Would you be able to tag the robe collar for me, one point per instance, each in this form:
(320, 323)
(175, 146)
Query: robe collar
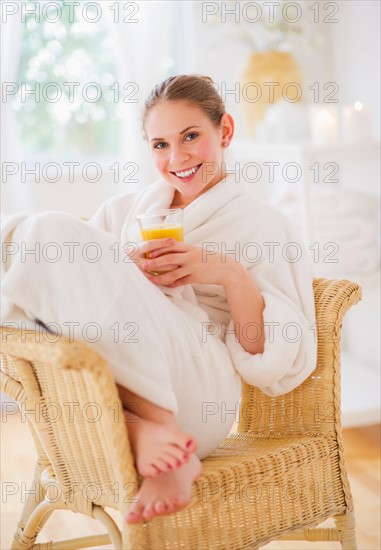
(160, 195)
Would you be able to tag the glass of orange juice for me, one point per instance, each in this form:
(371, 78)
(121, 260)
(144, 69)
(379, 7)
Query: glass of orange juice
(161, 224)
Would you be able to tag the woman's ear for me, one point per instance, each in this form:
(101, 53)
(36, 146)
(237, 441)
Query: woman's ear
(227, 128)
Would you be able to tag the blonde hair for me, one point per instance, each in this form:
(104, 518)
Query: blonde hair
(195, 89)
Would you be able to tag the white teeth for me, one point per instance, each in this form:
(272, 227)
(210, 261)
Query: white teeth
(186, 173)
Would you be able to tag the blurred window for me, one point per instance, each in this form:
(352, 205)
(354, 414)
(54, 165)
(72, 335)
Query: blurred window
(70, 65)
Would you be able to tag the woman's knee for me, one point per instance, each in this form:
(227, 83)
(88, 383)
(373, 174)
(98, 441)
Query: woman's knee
(59, 227)
(51, 219)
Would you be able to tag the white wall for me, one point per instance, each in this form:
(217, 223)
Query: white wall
(355, 46)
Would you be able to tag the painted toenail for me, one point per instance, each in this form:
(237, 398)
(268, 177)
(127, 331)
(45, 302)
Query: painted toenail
(189, 443)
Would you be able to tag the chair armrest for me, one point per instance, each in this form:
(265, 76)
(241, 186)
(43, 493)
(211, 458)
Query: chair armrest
(315, 404)
(71, 378)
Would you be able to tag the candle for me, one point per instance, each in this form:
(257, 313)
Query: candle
(324, 125)
(356, 124)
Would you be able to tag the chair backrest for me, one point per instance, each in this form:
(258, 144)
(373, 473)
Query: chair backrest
(314, 406)
(67, 392)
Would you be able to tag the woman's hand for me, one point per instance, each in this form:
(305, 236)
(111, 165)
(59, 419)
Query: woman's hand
(186, 264)
(159, 246)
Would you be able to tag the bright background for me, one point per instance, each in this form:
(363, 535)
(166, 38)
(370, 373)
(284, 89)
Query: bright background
(171, 37)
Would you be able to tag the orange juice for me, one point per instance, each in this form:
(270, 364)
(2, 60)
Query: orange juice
(163, 231)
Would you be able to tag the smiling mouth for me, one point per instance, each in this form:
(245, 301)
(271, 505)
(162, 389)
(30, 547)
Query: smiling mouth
(187, 174)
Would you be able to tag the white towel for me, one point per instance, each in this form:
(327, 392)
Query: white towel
(328, 202)
(349, 220)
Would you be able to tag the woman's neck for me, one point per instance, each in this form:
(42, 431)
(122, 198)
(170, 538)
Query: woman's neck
(176, 203)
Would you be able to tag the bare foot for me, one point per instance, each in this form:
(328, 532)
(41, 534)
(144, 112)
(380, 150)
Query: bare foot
(158, 448)
(166, 494)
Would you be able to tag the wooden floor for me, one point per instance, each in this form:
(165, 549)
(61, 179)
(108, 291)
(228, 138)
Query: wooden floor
(362, 446)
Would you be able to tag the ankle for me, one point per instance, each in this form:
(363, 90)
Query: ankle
(162, 417)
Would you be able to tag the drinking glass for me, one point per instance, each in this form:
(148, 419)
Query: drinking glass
(161, 224)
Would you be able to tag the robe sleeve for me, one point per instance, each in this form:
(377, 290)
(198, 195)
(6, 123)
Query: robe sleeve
(286, 284)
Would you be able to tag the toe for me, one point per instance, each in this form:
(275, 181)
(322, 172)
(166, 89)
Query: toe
(134, 515)
(159, 507)
(169, 507)
(180, 501)
(163, 465)
(188, 444)
(164, 508)
(172, 461)
(182, 440)
(191, 445)
(148, 511)
(177, 455)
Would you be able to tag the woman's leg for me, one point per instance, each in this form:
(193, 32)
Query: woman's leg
(73, 277)
(171, 490)
(154, 432)
(153, 347)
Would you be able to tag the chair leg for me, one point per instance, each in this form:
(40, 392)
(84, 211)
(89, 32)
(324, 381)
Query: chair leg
(112, 528)
(36, 494)
(345, 524)
(24, 537)
(35, 497)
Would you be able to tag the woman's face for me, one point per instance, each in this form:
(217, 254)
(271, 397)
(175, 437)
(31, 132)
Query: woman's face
(182, 138)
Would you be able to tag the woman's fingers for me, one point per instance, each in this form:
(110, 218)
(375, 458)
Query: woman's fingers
(156, 247)
(170, 277)
(161, 262)
(155, 260)
(155, 244)
(145, 248)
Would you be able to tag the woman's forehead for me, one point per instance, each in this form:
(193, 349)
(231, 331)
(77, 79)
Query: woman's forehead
(171, 118)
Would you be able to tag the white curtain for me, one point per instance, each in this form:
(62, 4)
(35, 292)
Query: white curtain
(12, 193)
(145, 54)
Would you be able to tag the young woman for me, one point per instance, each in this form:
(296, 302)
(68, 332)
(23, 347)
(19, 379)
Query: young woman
(235, 301)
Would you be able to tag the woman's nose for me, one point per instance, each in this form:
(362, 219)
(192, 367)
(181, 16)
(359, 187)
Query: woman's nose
(178, 156)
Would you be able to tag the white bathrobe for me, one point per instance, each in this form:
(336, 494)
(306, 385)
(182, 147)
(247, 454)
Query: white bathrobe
(186, 357)
(228, 218)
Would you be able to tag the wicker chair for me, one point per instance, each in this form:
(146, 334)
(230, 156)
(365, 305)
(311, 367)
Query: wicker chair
(278, 477)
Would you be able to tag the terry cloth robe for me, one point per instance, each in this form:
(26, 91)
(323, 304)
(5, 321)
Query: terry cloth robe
(228, 219)
(186, 357)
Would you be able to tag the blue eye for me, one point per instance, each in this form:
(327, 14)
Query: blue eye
(156, 146)
(159, 143)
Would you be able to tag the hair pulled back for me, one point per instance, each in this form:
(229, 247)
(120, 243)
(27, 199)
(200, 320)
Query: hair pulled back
(195, 89)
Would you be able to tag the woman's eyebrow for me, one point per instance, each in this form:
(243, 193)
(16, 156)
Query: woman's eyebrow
(183, 132)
